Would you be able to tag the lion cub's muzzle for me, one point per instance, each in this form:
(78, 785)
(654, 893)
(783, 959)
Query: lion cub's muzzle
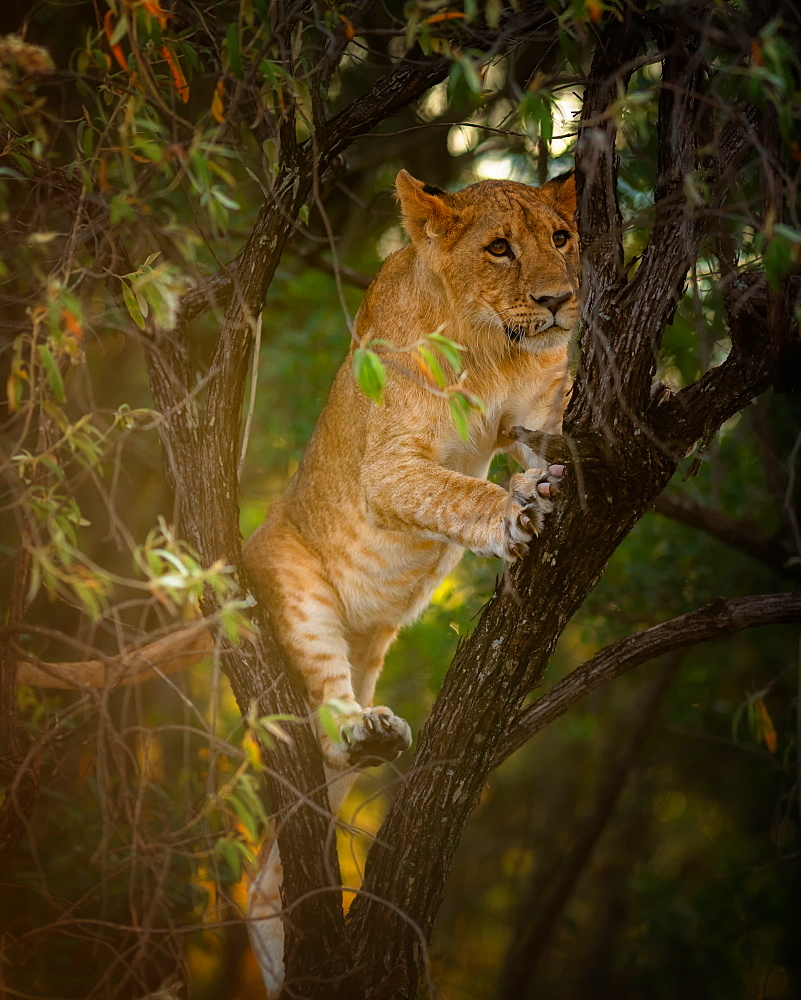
(552, 303)
(553, 311)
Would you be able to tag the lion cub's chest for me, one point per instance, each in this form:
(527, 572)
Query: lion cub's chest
(473, 456)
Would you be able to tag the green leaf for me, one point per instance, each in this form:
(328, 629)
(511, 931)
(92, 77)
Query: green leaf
(232, 44)
(54, 379)
(433, 366)
(132, 305)
(230, 621)
(493, 12)
(370, 373)
(246, 817)
(570, 51)
(472, 79)
(546, 121)
(778, 258)
(449, 349)
(87, 141)
(119, 31)
(536, 114)
(791, 234)
(227, 852)
(52, 466)
(223, 198)
(328, 720)
(460, 414)
(269, 729)
(249, 791)
(411, 26)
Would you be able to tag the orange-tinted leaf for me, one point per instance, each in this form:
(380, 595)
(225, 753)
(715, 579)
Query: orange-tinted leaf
(595, 9)
(71, 321)
(350, 31)
(448, 15)
(178, 78)
(217, 106)
(119, 55)
(767, 730)
(153, 7)
(252, 750)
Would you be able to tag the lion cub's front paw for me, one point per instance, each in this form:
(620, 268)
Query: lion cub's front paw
(378, 736)
(531, 498)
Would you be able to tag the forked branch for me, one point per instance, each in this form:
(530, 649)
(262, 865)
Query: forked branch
(718, 618)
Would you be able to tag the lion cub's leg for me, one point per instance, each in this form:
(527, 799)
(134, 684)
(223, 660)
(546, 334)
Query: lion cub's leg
(265, 919)
(380, 735)
(308, 616)
(265, 906)
(316, 641)
(367, 652)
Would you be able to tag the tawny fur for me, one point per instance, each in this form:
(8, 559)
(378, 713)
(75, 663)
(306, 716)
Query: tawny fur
(387, 497)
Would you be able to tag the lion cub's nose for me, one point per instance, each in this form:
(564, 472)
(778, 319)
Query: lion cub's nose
(552, 302)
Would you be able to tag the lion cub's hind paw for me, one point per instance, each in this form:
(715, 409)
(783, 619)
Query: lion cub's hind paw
(378, 736)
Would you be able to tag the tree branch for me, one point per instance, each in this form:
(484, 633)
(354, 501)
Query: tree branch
(600, 221)
(742, 535)
(699, 409)
(713, 620)
(653, 293)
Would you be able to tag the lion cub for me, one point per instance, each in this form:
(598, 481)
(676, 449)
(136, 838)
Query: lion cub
(387, 497)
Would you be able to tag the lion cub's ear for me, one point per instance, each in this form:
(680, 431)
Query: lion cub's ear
(562, 192)
(425, 212)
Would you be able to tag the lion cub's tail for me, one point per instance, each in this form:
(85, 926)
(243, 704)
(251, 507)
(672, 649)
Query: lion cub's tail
(176, 651)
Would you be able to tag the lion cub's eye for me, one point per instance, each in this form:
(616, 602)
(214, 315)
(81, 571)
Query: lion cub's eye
(560, 237)
(500, 248)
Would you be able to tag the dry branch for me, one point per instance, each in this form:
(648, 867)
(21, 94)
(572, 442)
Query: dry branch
(742, 535)
(716, 619)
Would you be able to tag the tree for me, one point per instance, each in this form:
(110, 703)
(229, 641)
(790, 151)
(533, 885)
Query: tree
(123, 185)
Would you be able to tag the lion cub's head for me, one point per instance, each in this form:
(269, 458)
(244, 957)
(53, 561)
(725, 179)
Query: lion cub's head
(506, 252)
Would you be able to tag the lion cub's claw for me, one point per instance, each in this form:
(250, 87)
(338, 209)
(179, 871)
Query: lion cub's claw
(531, 498)
(378, 736)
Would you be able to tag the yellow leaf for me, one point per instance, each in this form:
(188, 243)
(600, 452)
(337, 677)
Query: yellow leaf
(252, 750)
